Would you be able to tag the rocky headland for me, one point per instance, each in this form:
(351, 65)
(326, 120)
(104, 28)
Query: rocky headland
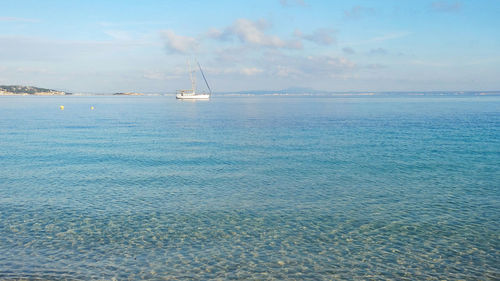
(18, 90)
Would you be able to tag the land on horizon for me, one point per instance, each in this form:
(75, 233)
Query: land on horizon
(29, 90)
(21, 90)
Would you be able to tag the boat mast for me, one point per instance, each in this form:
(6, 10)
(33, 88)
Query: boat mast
(193, 78)
(202, 74)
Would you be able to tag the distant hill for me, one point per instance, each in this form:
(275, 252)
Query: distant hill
(292, 91)
(312, 92)
(29, 90)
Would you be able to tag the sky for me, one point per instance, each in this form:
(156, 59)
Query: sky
(331, 45)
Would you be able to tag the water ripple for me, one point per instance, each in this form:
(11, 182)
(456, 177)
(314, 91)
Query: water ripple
(259, 189)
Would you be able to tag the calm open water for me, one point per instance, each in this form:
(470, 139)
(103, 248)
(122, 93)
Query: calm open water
(250, 188)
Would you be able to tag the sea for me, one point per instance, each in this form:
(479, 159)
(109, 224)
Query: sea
(392, 187)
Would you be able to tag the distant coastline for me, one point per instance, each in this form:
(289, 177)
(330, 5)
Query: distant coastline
(19, 90)
(128, 94)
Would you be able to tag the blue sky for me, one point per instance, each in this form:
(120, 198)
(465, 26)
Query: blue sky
(371, 45)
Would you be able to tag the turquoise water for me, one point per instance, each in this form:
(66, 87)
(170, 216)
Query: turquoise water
(264, 188)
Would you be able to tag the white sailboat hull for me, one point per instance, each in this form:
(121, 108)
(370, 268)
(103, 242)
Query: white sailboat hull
(192, 97)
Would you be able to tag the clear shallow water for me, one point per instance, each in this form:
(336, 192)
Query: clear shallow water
(249, 188)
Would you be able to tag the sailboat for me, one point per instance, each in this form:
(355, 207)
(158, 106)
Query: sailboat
(192, 94)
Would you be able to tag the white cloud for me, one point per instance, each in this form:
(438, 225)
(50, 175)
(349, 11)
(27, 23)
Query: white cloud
(162, 75)
(178, 43)
(240, 70)
(268, 64)
(305, 67)
(232, 55)
(249, 71)
(382, 38)
(253, 33)
(214, 33)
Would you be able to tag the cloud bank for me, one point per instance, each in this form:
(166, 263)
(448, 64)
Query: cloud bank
(254, 33)
(177, 43)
